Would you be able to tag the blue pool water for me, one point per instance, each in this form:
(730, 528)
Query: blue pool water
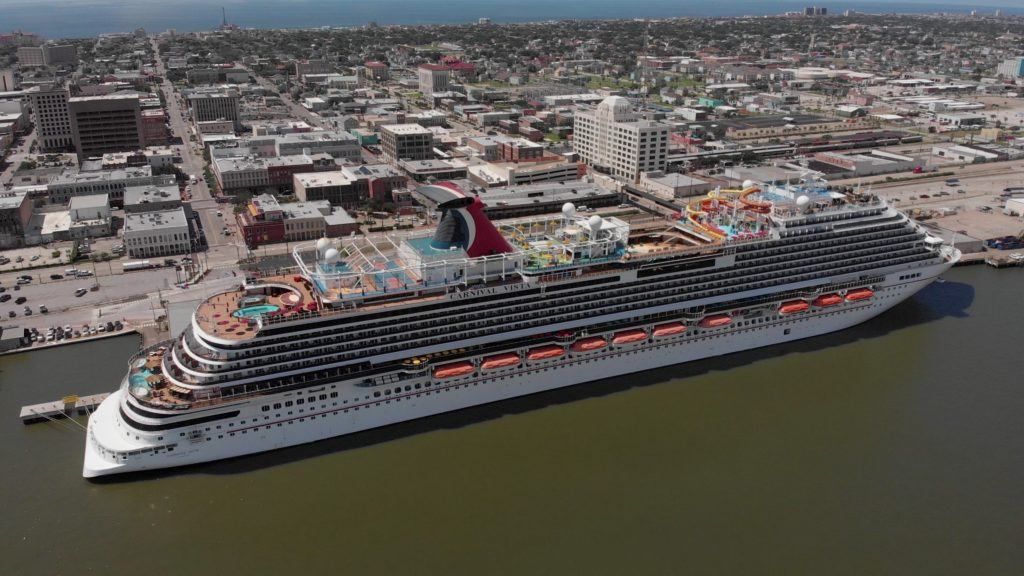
(138, 379)
(251, 311)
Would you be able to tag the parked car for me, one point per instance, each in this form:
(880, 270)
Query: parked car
(5, 297)
(28, 311)
(43, 309)
(12, 314)
(21, 300)
(80, 292)
(56, 276)
(83, 273)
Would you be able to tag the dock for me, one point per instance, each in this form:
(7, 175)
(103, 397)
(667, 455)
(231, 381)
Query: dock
(64, 408)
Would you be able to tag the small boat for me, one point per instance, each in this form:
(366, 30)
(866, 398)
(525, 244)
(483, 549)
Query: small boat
(716, 321)
(453, 370)
(793, 307)
(500, 361)
(627, 336)
(859, 294)
(545, 352)
(589, 344)
(670, 329)
(827, 300)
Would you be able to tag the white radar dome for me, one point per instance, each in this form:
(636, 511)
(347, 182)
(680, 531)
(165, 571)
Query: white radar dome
(803, 201)
(568, 210)
(322, 244)
(332, 255)
(748, 184)
(595, 222)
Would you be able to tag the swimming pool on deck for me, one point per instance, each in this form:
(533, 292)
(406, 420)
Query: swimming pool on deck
(251, 311)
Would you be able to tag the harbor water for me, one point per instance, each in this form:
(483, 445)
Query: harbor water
(895, 447)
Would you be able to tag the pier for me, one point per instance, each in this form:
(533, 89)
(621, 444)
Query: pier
(64, 408)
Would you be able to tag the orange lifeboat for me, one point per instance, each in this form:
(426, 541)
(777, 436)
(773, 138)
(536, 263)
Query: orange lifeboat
(827, 300)
(672, 328)
(500, 361)
(545, 352)
(454, 369)
(716, 321)
(589, 344)
(627, 336)
(793, 306)
(859, 294)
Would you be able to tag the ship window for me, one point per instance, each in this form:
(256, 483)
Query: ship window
(288, 403)
(300, 401)
(376, 394)
(266, 408)
(334, 394)
(276, 406)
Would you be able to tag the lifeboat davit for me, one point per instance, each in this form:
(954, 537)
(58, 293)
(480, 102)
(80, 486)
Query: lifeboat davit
(627, 336)
(716, 321)
(500, 361)
(827, 300)
(545, 352)
(663, 330)
(454, 369)
(793, 306)
(859, 294)
(589, 344)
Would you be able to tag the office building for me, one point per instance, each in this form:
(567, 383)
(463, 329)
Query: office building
(101, 124)
(434, 78)
(52, 124)
(613, 139)
(407, 142)
(219, 105)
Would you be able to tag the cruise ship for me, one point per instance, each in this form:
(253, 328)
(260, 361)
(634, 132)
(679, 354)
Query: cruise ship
(368, 331)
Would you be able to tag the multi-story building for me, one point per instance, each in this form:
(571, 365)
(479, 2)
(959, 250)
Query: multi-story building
(337, 144)
(215, 75)
(303, 67)
(47, 55)
(238, 174)
(1012, 68)
(154, 127)
(305, 220)
(336, 187)
(15, 213)
(407, 142)
(55, 55)
(160, 233)
(381, 179)
(50, 115)
(433, 78)
(262, 221)
(61, 189)
(377, 71)
(101, 124)
(152, 198)
(613, 139)
(8, 83)
(219, 105)
(512, 174)
(31, 56)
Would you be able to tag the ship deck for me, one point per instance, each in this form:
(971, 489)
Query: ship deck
(233, 315)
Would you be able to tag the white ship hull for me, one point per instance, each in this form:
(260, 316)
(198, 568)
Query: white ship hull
(317, 423)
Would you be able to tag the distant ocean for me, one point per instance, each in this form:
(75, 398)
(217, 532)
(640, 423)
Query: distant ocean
(81, 18)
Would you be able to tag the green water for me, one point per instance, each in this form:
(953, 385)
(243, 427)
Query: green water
(896, 447)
